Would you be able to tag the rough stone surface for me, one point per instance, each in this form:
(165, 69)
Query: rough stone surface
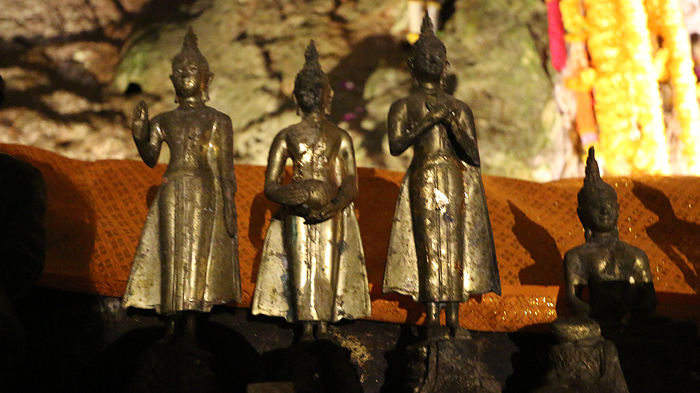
(75, 69)
(46, 20)
(498, 55)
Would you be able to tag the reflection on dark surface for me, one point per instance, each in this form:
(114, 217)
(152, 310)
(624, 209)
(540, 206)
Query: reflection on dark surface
(398, 361)
(318, 366)
(530, 362)
(678, 239)
(542, 248)
(218, 359)
(80, 343)
(619, 306)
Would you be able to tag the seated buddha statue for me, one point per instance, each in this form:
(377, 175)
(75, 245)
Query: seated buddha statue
(617, 275)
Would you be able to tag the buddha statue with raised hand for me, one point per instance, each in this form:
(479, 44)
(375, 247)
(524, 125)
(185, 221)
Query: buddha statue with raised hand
(187, 258)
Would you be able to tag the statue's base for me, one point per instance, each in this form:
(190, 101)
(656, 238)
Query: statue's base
(449, 364)
(577, 368)
(318, 366)
(174, 366)
(583, 362)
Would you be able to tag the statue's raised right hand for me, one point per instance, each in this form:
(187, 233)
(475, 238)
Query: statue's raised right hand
(139, 120)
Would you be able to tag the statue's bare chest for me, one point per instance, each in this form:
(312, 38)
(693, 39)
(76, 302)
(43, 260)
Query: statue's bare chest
(311, 149)
(188, 132)
(612, 264)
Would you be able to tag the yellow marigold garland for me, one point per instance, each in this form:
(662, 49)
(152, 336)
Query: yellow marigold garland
(627, 100)
(573, 19)
(666, 21)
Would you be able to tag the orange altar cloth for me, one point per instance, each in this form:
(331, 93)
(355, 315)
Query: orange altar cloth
(96, 210)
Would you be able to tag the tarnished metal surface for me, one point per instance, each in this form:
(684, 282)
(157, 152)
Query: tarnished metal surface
(312, 267)
(441, 248)
(582, 361)
(617, 274)
(330, 298)
(187, 258)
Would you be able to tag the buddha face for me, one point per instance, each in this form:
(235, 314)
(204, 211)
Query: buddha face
(600, 216)
(429, 66)
(189, 79)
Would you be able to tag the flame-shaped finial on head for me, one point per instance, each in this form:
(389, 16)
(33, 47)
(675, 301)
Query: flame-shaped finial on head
(594, 190)
(427, 28)
(311, 82)
(311, 57)
(592, 170)
(428, 46)
(427, 41)
(190, 41)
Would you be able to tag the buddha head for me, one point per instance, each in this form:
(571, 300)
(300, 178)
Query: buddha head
(191, 75)
(312, 89)
(428, 57)
(598, 209)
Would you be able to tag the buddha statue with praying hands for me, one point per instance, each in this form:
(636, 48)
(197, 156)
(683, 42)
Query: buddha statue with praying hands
(441, 249)
(617, 275)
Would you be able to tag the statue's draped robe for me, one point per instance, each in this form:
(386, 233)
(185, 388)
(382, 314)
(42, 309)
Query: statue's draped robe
(185, 259)
(449, 200)
(313, 272)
